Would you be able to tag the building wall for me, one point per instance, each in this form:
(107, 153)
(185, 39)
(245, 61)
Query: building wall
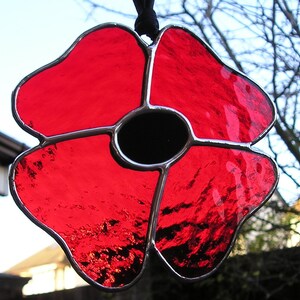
(50, 278)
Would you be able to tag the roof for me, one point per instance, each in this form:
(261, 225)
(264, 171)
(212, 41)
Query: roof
(9, 149)
(49, 255)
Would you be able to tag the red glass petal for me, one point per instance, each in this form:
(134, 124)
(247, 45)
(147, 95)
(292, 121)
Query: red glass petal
(208, 193)
(219, 102)
(99, 209)
(96, 84)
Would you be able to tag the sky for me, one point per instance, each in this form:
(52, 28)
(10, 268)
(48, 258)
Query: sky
(34, 33)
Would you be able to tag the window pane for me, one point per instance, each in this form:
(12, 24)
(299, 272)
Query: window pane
(219, 103)
(95, 85)
(98, 208)
(208, 193)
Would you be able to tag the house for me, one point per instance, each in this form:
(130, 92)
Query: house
(9, 150)
(10, 285)
(49, 270)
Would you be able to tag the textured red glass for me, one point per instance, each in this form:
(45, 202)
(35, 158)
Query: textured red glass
(219, 103)
(99, 195)
(98, 208)
(207, 195)
(96, 84)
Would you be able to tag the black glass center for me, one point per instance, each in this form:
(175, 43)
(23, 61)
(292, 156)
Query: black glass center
(153, 137)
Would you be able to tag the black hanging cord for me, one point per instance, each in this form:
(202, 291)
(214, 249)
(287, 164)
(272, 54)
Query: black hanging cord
(146, 22)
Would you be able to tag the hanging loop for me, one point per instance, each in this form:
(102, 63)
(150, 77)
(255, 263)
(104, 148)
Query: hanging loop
(146, 22)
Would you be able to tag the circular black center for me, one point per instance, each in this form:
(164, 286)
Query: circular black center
(153, 137)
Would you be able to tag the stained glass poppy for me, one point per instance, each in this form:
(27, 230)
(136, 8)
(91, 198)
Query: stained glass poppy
(142, 147)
